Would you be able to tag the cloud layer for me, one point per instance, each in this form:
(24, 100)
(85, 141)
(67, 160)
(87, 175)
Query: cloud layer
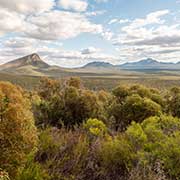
(44, 26)
(149, 37)
(76, 5)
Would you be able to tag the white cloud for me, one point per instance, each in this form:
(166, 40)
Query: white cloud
(137, 30)
(18, 42)
(60, 25)
(52, 52)
(27, 6)
(101, 1)
(138, 40)
(76, 5)
(107, 35)
(152, 18)
(90, 50)
(10, 22)
(120, 21)
(50, 25)
(76, 58)
(37, 19)
(36, 27)
(112, 21)
(95, 13)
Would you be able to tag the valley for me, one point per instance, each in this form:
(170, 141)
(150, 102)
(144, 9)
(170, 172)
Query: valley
(28, 71)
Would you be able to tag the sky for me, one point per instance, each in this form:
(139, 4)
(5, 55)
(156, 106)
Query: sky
(72, 33)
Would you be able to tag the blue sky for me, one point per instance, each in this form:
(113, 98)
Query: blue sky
(71, 33)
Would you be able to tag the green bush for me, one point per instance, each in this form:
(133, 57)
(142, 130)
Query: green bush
(173, 102)
(115, 157)
(63, 153)
(95, 127)
(157, 139)
(69, 106)
(32, 171)
(134, 108)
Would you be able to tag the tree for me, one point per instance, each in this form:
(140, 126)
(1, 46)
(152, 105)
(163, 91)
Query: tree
(121, 92)
(18, 134)
(70, 105)
(48, 88)
(134, 108)
(133, 103)
(74, 82)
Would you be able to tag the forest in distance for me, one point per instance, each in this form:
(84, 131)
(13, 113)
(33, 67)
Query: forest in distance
(63, 130)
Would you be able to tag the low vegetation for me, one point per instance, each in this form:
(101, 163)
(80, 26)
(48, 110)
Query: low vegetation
(64, 131)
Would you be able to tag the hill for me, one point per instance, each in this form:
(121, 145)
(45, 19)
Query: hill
(31, 65)
(30, 60)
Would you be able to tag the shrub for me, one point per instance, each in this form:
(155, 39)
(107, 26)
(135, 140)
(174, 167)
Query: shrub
(74, 82)
(121, 92)
(32, 171)
(134, 108)
(173, 102)
(157, 139)
(4, 175)
(18, 135)
(115, 157)
(63, 153)
(95, 127)
(69, 106)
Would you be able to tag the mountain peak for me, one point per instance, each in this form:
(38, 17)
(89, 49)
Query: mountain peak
(98, 64)
(150, 64)
(29, 60)
(148, 61)
(32, 58)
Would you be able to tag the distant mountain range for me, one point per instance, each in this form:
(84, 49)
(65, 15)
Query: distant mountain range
(146, 64)
(33, 65)
(150, 64)
(98, 64)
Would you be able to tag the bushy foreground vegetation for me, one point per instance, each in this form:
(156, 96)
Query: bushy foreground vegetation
(63, 131)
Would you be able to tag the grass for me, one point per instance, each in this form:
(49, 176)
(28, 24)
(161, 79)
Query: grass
(96, 81)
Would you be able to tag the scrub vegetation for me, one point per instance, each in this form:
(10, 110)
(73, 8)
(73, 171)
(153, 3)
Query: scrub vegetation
(65, 131)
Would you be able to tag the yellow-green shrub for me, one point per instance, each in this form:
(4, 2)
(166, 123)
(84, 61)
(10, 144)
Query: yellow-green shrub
(18, 135)
(95, 127)
(157, 139)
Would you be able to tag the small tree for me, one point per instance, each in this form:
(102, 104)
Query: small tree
(134, 108)
(74, 82)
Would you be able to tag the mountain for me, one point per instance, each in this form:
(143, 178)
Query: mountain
(150, 64)
(30, 60)
(145, 64)
(98, 67)
(31, 65)
(97, 64)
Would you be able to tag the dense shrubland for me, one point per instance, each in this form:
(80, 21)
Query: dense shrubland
(63, 131)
